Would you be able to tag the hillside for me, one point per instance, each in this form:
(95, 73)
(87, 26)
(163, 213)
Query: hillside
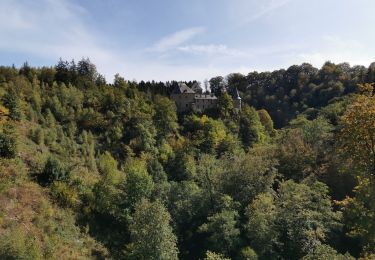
(92, 170)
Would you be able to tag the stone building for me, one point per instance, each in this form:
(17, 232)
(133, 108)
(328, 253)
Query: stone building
(192, 98)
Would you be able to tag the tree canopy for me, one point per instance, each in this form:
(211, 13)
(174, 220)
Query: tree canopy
(97, 170)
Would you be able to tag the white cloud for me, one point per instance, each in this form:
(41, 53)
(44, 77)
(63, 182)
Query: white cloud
(268, 8)
(165, 72)
(12, 18)
(211, 49)
(51, 29)
(337, 49)
(176, 39)
(248, 11)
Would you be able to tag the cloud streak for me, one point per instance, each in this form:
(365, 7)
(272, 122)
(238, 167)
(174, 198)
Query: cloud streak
(173, 40)
(252, 10)
(337, 49)
(269, 8)
(52, 29)
(211, 49)
(43, 31)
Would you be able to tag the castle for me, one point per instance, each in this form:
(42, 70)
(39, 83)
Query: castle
(192, 98)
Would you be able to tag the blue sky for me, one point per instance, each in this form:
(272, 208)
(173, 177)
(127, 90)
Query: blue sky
(187, 39)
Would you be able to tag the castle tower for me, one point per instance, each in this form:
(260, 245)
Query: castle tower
(236, 99)
(183, 96)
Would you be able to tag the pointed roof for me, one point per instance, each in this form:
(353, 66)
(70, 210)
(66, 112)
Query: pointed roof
(235, 94)
(196, 88)
(182, 88)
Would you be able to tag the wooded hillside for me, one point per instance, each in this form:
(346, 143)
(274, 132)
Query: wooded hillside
(92, 170)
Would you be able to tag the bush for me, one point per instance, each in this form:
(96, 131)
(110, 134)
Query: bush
(38, 136)
(11, 101)
(17, 244)
(8, 146)
(53, 170)
(65, 195)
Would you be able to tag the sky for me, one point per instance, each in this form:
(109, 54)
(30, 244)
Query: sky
(186, 39)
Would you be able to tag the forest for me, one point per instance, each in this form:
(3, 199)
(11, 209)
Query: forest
(98, 170)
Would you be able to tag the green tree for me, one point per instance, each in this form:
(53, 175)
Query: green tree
(8, 145)
(223, 235)
(254, 173)
(215, 256)
(260, 226)
(209, 171)
(87, 70)
(53, 170)
(106, 190)
(266, 121)
(325, 252)
(217, 85)
(359, 217)
(156, 170)
(189, 206)
(357, 136)
(357, 145)
(248, 253)
(19, 245)
(38, 136)
(297, 158)
(237, 80)
(151, 234)
(165, 117)
(138, 183)
(305, 217)
(182, 166)
(143, 136)
(12, 102)
(251, 129)
(225, 105)
(214, 133)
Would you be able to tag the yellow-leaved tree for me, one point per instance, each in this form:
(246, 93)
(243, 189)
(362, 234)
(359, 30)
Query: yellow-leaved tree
(357, 143)
(4, 114)
(357, 136)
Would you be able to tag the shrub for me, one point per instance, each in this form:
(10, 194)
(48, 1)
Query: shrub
(11, 101)
(38, 136)
(53, 170)
(8, 146)
(17, 244)
(65, 195)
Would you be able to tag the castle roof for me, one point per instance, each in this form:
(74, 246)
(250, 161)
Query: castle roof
(182, 88)
(203, 96)
(196, 88)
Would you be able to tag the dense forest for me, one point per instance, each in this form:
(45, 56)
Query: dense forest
(97, 170)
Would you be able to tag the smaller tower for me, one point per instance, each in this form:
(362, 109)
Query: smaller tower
(236, 99)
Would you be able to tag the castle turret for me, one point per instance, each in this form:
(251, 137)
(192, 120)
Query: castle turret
(236, 99)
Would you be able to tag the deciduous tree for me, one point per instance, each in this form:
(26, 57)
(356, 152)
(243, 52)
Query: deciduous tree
(151, 234)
